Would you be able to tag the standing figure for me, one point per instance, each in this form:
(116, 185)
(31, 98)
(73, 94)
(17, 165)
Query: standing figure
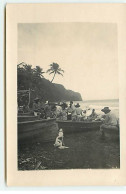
(36, 107)
(59, 111)
(47, 110)
(71, 112)
(78, 112)
(64, 111)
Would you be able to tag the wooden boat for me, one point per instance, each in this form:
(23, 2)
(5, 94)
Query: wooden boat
(22, 118)
(79, 126)
(44, 130)
(31, 127)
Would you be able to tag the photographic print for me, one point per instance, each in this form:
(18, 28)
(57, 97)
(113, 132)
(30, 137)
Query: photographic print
(65, 94)
(68, 96)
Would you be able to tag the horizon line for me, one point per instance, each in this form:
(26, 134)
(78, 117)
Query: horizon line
(101, 99)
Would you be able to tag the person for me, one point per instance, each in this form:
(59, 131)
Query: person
(110, 121)
(78, 112)
(93, 115)
(71, 112)
(42, 113)
(59, 111)
(47, 110)
(36, 106)
(64, 111)
(53, 111)
(84, 115)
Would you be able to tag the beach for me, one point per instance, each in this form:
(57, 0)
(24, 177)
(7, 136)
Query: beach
(86, 151)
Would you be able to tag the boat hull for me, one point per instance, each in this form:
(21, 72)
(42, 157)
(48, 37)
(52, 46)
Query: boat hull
(23, 118)
(40, 130)
(78, 126)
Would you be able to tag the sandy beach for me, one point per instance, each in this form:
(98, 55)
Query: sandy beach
(86, 150)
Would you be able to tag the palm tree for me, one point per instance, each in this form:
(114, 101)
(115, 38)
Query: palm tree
(55, 69)
(38, 72)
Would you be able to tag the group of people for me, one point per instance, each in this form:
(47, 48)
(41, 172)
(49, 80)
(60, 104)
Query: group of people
(42, 110)
(61, 111)
(110, 122)
(49, 110)
(75, 113)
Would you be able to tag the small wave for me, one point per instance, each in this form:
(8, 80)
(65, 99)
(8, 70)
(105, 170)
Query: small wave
(101, 107)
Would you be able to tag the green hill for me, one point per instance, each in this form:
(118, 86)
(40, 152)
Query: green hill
(41, 87)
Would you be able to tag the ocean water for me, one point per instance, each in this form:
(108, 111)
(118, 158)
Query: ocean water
(100, 104)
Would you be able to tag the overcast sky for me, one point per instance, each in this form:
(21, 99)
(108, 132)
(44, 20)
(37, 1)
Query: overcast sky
(87, 52)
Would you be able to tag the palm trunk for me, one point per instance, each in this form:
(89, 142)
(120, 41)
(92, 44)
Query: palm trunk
(53, 77)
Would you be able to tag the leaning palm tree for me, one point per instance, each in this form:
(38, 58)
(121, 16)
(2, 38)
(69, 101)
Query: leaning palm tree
(55, 69)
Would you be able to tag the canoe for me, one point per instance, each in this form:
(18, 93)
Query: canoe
(22, 118)
(40, 130)
(79, 126)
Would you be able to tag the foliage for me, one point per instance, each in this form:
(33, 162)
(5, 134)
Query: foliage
(55, 69)
(33, 79)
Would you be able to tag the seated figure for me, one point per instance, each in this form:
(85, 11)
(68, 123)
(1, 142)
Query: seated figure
(59, 139)
(110, 122)
(93, 115)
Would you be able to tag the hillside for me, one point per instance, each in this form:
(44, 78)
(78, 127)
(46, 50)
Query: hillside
(56, 92)
(41, 87)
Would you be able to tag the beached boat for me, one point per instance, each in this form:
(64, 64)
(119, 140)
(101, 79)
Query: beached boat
(31, 127)
(22, 118)
(83, 126)
(44, 130)
(79, 126)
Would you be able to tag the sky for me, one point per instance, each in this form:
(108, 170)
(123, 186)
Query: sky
(87, 52)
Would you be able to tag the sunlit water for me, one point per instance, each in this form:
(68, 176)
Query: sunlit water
(98, 105)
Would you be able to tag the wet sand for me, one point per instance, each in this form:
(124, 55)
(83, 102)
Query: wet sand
(86, 150)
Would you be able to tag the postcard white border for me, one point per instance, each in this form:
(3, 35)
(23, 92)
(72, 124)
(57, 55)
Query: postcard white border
(32, 13)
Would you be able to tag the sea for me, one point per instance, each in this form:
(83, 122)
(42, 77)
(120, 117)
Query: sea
(113, 104)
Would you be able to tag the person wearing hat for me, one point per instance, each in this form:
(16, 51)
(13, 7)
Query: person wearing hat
(71, 112)
(110, 121)
(78, 112)
(63, 111)
(59, 111)
(47, 110)
(36, 106)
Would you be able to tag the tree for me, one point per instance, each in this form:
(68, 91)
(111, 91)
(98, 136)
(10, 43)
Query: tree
(37, 75)
(25, 75)
(55, 69)
(38, 72)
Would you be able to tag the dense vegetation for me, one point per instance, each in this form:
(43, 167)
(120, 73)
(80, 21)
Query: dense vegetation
(33, 79)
